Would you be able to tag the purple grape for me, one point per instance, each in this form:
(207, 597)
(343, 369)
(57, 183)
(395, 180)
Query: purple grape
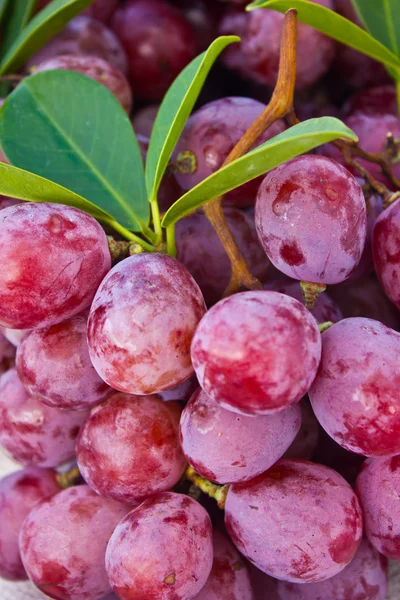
(299, 521)
(203, 15)
(378, 488)
(229, 577)
(142, 322)
(31, 432)
(330, 454)
(380, 100)
(143, 120)
(161, 550)
(102, 10)
(5, 201)
(385, 241)
(200, 250)
(209, 136)
(19, 493)
(256, 352)
(366, 264)
(38, 287)
(63, 543)
(355, 393)
(128, 448)
(53, 364)
(226, 447)
(306, 441)
(311, 219)
(7, 354)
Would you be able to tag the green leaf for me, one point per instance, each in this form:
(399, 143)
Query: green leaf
(3, 6)
(72, 130)
(287, 145)
(335, 26)
(23, 185)
(175, 110)
(382, 20)
(45, 25)
(18, 14)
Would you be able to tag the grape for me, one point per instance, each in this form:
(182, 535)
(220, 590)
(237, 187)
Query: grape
(5, 201)
(325, 308)
(378, 488)
(96, 68)
(38, 287)
(209, 136)
(203, 15)
(260, 60)
(7, 354)
(226, 447)
(161, 551)
(256, 352)
(19, 493)
(380, 100)
(142, 322)
(306, 441)
(102, 10)
(299, 521)
(234, 22)
(159, 43)
(83, 36)
(366, 264)
(365, 578)
(311, 219)
(128, 448)
(202, 253)
(385, 241)
(355, 394)
(143, 120)
(14, 336)
(229, 577)
(63, 542)
(182, 392)
(31, 432)
(330, 454)
(53, 364)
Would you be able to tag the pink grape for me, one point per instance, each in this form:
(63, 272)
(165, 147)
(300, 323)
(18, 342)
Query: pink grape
(31, 432)
(53, 364)
(256, 352)
(19, 493)
(299, 521)
(378, 488)
(226, 447)
(142, 322)
(380, 100)
(229, 577)
(128, 448)
(63, 543)
(143, 120)
(38, 287)
(385, 240)
(306, 441)
(355, 394)
(161, 550)
(209, 136)
(311, 219)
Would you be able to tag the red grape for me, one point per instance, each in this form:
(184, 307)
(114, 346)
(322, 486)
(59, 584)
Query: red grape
(31, 432)
(159, 43)
(378, 488)
(306, 441)
(53, 364)
(379, 100)
(142, 322)
(203, 15)
(355, 394)
(128, 448)
(19, 493)
(39, 287)
(63, 542)
(385, 247)
(161, 550)
(143, 120)
(226, 447)
(256, 352)
(299, 521)
(209, 136)
(102, 10)
(311, 219)
(5, 201)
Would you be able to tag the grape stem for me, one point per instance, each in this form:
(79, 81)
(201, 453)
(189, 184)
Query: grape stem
(280, 105)
(69, 478)
(218, 492)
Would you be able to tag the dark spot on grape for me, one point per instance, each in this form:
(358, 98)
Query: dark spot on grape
(291, 254)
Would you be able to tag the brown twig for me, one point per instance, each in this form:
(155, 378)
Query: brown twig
(280, 105)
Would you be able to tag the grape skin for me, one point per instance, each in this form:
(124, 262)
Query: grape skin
(53, 363)
(19, 493)
(161, 551)
(355, 394)
(256, 352)
(380, 100)
(63, 542)
(31, 432)
(385, 243)
(128, 448)
(141, 324)
(378, 488)
(62, 282)
(299, 522)
(311, 219)
(226, 447)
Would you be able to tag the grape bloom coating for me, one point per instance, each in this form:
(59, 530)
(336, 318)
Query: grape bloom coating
(52, 259)
(299, 521)
(311, 219)
(256, 352)
(141, 324)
